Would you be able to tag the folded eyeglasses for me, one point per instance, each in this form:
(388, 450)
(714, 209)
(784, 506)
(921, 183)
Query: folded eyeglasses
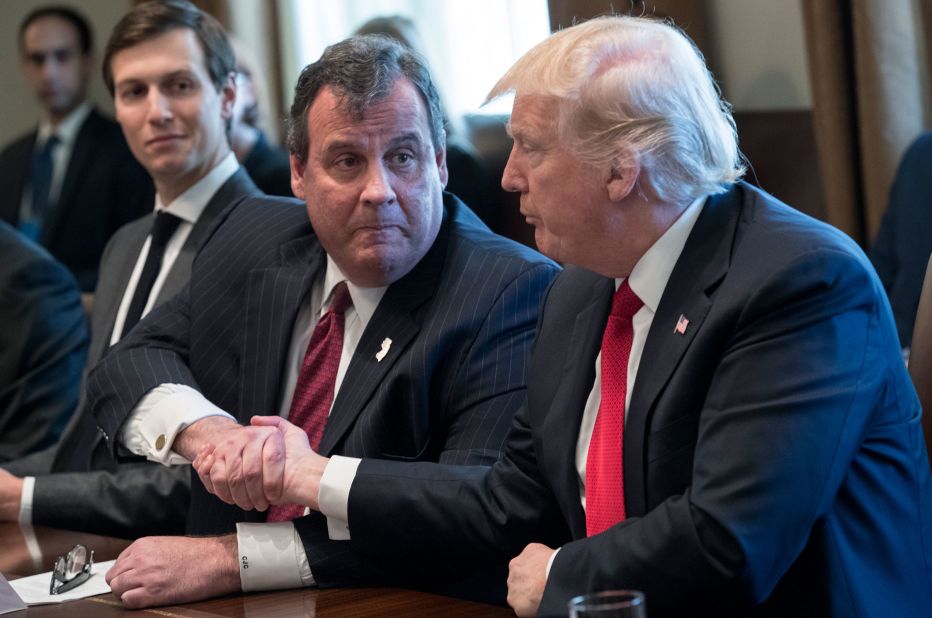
(71, 570)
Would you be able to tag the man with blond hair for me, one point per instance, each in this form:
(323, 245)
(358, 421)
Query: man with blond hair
(716, 414)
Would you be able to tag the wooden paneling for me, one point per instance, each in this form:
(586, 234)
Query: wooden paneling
(780, 146)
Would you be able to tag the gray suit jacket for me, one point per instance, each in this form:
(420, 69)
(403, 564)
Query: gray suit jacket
(134, 499)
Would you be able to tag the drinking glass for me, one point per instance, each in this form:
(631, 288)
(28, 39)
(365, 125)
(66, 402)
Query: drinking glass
(609, 604)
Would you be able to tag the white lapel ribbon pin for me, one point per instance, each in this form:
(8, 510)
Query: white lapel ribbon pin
(386, 344)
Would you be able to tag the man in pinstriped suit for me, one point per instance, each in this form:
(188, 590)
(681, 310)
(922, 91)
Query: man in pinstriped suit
(75, 484)
(433, 359)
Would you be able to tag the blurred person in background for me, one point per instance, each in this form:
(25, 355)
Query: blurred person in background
(70, 183)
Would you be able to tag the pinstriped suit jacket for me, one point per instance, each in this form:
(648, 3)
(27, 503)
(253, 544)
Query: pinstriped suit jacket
(133, 499)
(461, 323)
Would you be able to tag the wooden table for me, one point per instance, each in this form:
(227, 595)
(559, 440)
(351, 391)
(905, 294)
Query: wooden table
(16, 561)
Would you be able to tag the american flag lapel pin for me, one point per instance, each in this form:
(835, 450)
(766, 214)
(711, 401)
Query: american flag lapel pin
(681, 325)
(386, 344)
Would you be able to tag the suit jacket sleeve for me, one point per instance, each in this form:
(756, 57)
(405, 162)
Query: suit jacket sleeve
(481, 404)
(155, 352)
(32, 464)
(135, 500)
(44, 344)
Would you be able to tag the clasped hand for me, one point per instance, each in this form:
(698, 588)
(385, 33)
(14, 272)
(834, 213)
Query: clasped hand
(269, 462)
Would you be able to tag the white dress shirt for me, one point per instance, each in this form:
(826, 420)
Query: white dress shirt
(188, 207)
(67, 134)
(648, 280)
(271, 555)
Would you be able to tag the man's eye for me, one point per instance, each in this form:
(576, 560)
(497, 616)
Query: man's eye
(347, 162)
(402, 158)
(182, 86)
(62, 55)
(133, 92)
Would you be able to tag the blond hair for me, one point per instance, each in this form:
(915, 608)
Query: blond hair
(635, 90)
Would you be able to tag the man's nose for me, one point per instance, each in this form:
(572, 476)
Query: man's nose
(512, 178)
(159, 107)
(378, 189)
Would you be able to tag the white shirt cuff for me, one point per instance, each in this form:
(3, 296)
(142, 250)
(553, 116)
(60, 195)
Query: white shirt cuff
(550, 561)
(271, 557)
(25, 500)
(333, 497)
(159, 416)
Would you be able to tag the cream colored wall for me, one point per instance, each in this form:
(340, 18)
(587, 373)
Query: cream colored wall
(18, 109)
(762, 53)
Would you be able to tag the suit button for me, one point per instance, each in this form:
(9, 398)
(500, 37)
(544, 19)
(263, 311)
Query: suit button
(160, 442)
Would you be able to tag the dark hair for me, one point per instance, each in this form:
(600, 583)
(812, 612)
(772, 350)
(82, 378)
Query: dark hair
(151, 19)
(362, 70)
(85, 36)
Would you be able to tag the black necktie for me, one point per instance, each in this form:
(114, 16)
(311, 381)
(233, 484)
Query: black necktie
(163, 227)
(41, 184)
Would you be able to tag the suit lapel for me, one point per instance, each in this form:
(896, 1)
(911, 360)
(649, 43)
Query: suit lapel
(395, 318)
(273, 298)
(110, 288)
(236, 187)
(563, 423)
(702, 264)
(82, 155)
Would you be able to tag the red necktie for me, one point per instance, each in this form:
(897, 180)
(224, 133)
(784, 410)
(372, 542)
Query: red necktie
(313, 393)
(605, 481)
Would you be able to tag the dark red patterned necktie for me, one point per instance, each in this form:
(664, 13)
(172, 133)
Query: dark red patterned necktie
(313, 393)
(605, 481)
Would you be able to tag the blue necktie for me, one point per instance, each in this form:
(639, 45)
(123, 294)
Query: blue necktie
(41, 183)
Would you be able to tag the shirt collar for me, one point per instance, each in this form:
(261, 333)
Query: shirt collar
(189, 205)
(365, 300)
(67, 129)
(650, 275)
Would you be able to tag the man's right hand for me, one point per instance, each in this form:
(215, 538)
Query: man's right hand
(247, 463)
(291, 475)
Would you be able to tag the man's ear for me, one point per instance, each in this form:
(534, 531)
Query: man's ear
(622, 178)
(298, 168)
(228, 96)
(441, 157)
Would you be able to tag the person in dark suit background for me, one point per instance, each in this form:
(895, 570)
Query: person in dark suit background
(901, 250)
(267, 163)
(717, 413)
(72, 182)
(430, 359)
(43, 343)
(157, 56)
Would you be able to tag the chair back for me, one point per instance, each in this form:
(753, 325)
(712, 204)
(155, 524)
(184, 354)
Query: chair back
(920, 356)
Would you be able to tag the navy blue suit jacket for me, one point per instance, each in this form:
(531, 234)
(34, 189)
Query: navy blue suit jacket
(43, 344)
(461, 323)
(773, 456)
(904, 242)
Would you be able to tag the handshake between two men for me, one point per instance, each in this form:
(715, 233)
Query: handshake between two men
(268, 463)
